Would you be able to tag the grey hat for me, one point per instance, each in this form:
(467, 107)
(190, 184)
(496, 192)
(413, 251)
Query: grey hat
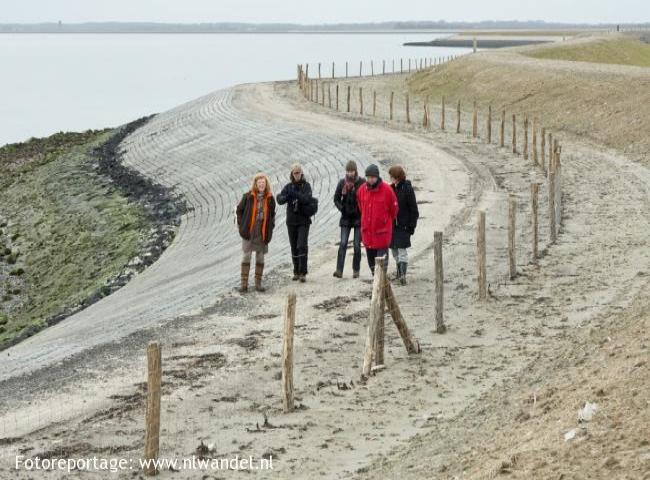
(372, 170)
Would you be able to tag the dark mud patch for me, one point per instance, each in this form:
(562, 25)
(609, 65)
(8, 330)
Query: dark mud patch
(193, 367)
(357, 317)
(333, 303)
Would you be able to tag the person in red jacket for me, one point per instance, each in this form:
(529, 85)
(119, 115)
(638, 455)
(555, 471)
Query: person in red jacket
(378, 207)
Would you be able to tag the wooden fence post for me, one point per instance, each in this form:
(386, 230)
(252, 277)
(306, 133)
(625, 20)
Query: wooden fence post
(383, 67)
(401, 65)
(346, 69)
(408, 109)
(373, 323)
(322, 100)
(526, 137)
(329, 96)
(550, 151)
(442, 114)
(489, 124)
(411, 344)
(514, 134)
(333, 70)
(474, 121)
(392, 98)
(551, 204)
(458, 117)
(439, 279)
(543, 149)
(535, 141)
(374, 103)
(361, 101)
(502, 133)
(534, 202)
(337, 97)
(512, 230)
(348, 98)
(316, 85)
(380, 270)
(480, 246)
(287, 353)
(361, 68)
(154, 384)
(319, 76)
(372, 68)
(425, 118)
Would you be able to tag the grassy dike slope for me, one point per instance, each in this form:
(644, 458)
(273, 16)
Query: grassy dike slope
(608, 104)
(66, 230)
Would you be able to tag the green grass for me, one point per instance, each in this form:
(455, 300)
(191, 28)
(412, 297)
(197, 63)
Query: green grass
(622, 51)
(68, 229)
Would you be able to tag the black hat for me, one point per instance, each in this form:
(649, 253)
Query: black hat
(372, 170)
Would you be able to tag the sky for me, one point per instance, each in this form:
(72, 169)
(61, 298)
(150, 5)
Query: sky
(314, 12)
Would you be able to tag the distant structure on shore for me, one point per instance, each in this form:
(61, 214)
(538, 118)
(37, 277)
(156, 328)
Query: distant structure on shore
(383, 27)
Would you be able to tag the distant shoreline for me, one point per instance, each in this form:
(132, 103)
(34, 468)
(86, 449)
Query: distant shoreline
(289, 32)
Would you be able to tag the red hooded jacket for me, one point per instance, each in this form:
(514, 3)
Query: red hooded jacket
(378, 207)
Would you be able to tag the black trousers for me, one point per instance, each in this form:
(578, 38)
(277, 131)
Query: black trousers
(372, 255)
(299, 241)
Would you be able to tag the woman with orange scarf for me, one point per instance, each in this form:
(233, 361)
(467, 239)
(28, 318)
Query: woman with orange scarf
(256, 220)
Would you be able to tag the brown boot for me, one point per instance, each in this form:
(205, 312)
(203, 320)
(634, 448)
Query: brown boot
(259, 271)
(245, 270)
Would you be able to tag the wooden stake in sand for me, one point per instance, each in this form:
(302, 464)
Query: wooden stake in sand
(442, 114)
(489, 124)
(534, 202)
(551, 204)
(154, 382)
(502, 132)
(373, 322)
(322, 99)
(526, 138)
(361, 68)
(383, 67)
(374, 103)
(379, 335)
(542, 149)
(337, 97)
(474, 121)
(458, 117)
(287, 353)
(333, 70)
(319, 77)
(550, 152)
(425, 118)
(329, 96)
(439, 282)
(372, 68)
(361, 101)
(349, 98)
(481, 257)
(401, 65)
(408, 109)
(411, 344)
(535, 141)
(392, 98)
(346, 69)
(512, 254)
(514, 134)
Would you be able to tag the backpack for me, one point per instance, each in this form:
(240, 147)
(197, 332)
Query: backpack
(310, 209)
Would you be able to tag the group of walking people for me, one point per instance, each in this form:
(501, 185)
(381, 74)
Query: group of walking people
(380, 215)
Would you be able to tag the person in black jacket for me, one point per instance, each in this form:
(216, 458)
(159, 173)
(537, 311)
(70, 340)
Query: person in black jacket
(297, 196)
(406, 221)
(255, 221)
(345, 199)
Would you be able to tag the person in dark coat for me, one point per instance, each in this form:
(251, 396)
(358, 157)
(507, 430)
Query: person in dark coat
(297, 196)
(345, 199)
(255, 221)
(378, 206)
(406, 220)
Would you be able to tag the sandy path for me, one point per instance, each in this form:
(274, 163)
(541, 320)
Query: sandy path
(223, 365)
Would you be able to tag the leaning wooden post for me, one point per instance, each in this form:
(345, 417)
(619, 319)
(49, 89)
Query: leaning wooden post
(373, 322)
(408, 109)
(442, 114)
(411, 344)
(535, 160)
(542, 149)
(551, 205)
(379, 335)
(348, 98)
(480, 246)
(439, 279)
(361, 101)
(502, 133)
(534, 202)
(287, 353)
(374, 103)
(489, 124)
(154, 383)
(512, 225)
(458, 117)
(526, 138)
(474, 121)
(514, 133)
(392, 98)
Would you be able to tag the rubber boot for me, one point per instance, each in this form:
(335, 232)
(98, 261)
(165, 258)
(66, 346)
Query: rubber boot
(403, 266)
(259, 272)
(245, 270)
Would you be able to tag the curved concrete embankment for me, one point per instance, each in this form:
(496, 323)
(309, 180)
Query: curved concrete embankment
(208, 150)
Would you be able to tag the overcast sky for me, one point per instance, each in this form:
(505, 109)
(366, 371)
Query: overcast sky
(330, 11)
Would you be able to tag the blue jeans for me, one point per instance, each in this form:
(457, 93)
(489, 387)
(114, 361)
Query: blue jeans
(343, 246)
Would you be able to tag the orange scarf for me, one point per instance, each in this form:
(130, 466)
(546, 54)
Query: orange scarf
(254, 213)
